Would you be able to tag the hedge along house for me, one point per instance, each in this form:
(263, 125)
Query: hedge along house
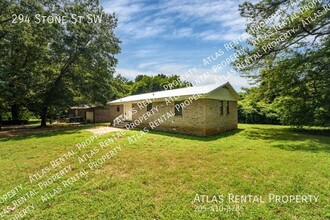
(202, 110)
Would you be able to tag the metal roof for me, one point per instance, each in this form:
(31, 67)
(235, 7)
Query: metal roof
(188, 91)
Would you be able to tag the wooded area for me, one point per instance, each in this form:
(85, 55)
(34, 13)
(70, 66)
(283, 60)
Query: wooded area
(291, 71)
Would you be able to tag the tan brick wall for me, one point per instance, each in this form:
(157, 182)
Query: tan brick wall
(102, 115)
(216, 123)
(113, 112)
(201, 117)
(192, 120)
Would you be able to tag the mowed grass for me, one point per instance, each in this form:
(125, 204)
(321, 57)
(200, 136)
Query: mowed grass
(159, 175)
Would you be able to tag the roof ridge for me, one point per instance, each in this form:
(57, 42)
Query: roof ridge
(186, 91)
(181, 88)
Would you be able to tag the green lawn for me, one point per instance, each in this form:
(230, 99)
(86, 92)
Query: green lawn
(159, 175)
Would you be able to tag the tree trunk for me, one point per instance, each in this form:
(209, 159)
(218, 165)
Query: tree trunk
(43, 117)
(14, 112)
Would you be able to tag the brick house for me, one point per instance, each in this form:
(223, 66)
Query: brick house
(202, 110)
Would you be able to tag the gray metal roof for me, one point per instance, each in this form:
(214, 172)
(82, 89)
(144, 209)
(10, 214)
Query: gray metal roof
(188, 91)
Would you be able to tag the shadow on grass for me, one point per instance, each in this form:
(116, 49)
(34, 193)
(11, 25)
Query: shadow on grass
(296, 140)
(198, 138)
(41, 132)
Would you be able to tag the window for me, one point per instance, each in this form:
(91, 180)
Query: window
(149, 107)
(221, 107)
(228, 108)
(118, 108)
(178, 108)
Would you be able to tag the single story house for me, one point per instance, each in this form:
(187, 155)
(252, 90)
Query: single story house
(89, 114)
(201, 110)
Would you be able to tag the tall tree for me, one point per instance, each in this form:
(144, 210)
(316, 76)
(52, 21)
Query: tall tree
(21, 46)
(288, 57)
(82, 57)
(68, 59)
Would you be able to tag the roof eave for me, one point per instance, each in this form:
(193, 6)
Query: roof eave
(180, 98)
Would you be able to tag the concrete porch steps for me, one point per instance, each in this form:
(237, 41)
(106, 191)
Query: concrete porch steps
(122, 124)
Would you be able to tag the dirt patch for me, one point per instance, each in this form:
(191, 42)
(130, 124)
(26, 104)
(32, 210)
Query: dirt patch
(104, 130)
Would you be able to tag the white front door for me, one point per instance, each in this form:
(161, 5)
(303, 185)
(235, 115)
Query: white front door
(128, 111)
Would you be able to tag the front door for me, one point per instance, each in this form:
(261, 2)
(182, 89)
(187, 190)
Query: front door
(128, 111)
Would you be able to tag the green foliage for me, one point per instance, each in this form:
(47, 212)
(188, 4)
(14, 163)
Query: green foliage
(144, 83)
(51, 65)
(120, 87)
(21, 46)
(293, 74)
(253, 110)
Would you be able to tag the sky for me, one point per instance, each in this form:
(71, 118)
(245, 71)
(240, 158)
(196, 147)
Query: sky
(177, 36)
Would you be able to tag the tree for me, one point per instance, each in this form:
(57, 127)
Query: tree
(288, 57)
(253, 110)
(88, 51)
(120, 87)
(5, 18)
(144, 83)
(21, 46)
(68, 59)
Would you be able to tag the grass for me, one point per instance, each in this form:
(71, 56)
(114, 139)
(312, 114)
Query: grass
(159, 175)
